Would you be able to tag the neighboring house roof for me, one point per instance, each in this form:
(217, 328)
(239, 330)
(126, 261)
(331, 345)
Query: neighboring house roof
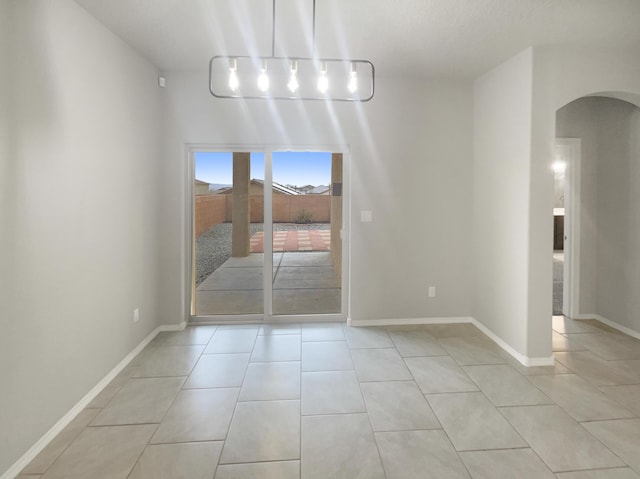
(275, 186)
(310, 189)
(200, 182)
(319, 190)
(304, 189)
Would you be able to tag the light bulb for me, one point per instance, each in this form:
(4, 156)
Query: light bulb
(233, 80)
(559, 167)
(323, 81)
(233, 77)
(353, 82)
(263, 79)
(293, 78)
(293, 83)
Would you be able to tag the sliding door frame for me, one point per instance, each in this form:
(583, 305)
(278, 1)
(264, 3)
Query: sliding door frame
(189, 295)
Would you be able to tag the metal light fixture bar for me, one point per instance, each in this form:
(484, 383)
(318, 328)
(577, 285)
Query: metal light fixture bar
(291, 78)
(245, 72)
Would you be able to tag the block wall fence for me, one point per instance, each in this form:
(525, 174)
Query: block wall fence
(213, 209)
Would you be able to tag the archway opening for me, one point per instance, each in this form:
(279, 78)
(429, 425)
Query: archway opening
(600, 267)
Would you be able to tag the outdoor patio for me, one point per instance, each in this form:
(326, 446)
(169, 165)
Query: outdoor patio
(304, 282)
(294, 240)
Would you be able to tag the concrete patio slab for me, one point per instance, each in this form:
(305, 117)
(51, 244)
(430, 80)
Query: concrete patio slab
(306, 259)
(229, 302)
(303, 283)
(315, 277)
(226, 279)
(306, 301)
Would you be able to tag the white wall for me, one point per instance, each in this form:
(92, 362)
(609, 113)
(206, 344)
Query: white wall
(577, 120)
(410, 165)
(619, 213)
(564, 74)
(610, 203)
(561, 75)
(558, 190)
(513, 283)
(502, 126)
(6, 9)
(79, 213)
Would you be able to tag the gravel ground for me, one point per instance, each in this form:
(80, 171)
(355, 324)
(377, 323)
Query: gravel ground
(213, 247)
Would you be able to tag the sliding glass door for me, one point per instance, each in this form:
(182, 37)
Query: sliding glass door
(277, 211)
(306, 221)
(228, 209)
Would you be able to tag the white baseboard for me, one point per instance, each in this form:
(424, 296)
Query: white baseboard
(623, 329)
(172, 327)
(535, 362)
(582, 316)
(44, 441)
(408, 321)
(526, 361)
(521, 358)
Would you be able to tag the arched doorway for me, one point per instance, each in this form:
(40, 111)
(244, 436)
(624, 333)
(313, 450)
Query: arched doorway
(603, 189)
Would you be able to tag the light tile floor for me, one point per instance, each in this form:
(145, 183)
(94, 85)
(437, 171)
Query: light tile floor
(327, 401)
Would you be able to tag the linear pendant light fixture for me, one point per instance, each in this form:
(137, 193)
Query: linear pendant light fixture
(291, 78)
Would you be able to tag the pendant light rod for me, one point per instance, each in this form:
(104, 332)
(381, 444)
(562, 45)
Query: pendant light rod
(273, 30)
(297, 87)
(313, 26)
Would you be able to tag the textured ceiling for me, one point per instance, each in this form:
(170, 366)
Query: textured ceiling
(425, 38)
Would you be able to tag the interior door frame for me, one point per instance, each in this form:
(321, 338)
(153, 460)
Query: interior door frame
(569, 151)
(189, 240)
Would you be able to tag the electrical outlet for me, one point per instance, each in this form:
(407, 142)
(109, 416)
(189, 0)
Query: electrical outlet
(432, 291)
(366, 216)
(136, 315)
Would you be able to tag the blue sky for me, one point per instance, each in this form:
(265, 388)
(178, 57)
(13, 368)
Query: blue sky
(289, 167)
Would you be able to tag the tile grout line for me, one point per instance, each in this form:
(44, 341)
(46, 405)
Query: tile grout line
(300, 395)
(172, 402)
(366, 409)
(235, 409)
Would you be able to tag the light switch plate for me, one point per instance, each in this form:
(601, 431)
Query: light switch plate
(366, 216)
